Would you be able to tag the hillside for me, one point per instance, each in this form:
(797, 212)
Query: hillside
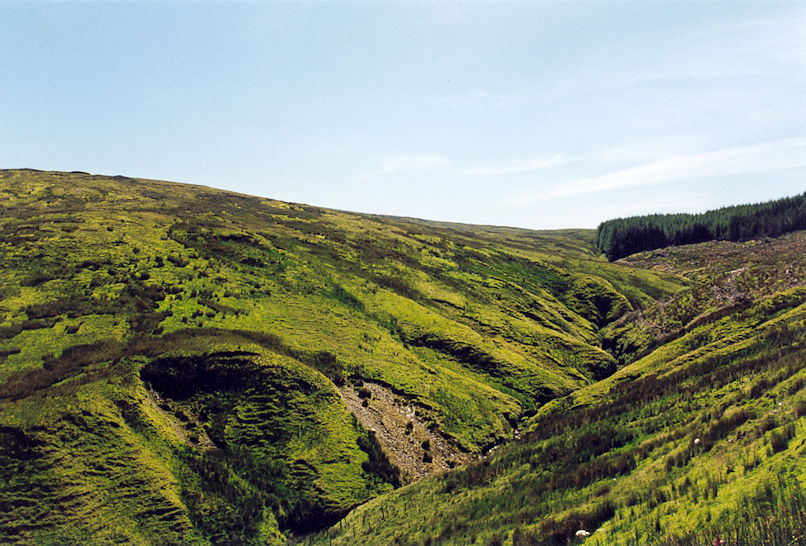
(699, 436)
(183, 365)
(180, 364)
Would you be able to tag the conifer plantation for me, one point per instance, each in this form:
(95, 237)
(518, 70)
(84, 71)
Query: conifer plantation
(624, 236)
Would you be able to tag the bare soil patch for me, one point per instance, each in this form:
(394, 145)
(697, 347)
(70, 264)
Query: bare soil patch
(413, 448)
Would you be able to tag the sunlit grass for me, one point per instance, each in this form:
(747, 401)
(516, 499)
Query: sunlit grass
(484, 330)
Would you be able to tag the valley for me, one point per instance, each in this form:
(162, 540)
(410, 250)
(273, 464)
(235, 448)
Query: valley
(184, 365)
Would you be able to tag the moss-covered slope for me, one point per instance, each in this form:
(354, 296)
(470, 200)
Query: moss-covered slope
(172, 356)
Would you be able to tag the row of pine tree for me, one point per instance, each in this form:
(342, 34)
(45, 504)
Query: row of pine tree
(624, 236)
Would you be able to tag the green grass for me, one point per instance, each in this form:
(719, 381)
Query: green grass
(170, 357)
(702, 438)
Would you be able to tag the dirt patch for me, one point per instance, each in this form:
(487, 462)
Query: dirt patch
(407, 442)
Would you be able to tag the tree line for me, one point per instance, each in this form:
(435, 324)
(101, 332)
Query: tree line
(624, 236)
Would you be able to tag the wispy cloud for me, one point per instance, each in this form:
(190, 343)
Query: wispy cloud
(745, 48)
(516, 167)
(762, 157)
(429, 162)
(408, 162)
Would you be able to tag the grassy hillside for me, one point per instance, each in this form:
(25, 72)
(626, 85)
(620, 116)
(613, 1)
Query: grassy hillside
(179, 364)
(700, 435)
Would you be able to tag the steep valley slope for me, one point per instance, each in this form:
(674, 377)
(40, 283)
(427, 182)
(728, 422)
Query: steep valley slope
(181, 365)
(698, 438)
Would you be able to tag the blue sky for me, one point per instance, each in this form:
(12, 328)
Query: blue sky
(531, 114)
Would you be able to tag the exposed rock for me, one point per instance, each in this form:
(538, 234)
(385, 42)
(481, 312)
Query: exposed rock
(402, 435)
